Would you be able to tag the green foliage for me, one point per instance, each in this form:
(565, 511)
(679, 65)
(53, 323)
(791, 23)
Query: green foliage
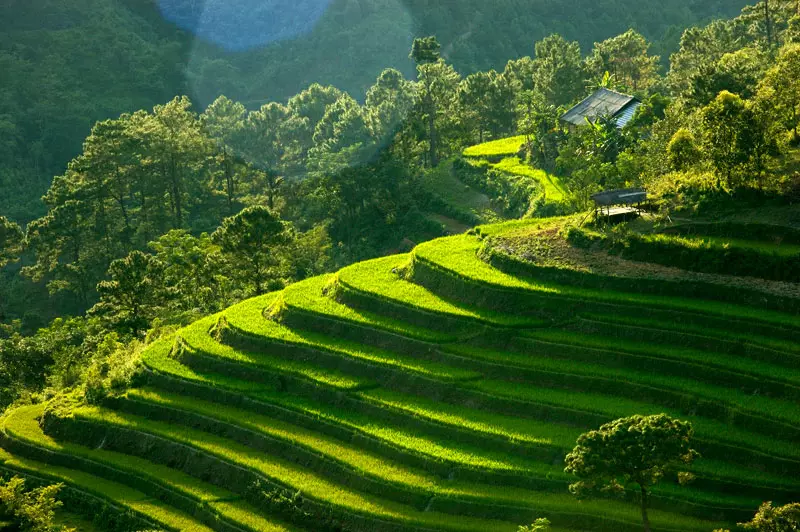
(11, 241)
(682, 151)
(30, 510)
(540, 525)
(625, 58)
(113, 368)
(559, 72)
(250, 242)
(133, 295)
(734, 138)
(771, 518)
(638, 450)
(425, 50)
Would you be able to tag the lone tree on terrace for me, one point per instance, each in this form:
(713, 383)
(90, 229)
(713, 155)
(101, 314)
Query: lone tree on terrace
(633, 450)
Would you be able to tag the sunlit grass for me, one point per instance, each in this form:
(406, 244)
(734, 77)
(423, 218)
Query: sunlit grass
(197, 337)
(613, 407)
(538, 359)
(507, 146)
(312, 485)
(736, 363)
(308, 296)
(553, 188)
(376, 277)
(458, 254)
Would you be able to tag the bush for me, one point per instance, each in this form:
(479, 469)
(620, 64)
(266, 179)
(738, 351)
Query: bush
(30, 510)
(112, 369)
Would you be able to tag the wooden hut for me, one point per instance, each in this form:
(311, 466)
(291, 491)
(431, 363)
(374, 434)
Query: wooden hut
(620, 202)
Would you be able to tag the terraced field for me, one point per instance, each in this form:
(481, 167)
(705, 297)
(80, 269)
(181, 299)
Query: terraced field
(502, 155)
(429, 391)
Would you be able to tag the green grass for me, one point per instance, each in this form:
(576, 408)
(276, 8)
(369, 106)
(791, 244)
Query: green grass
(23, 424)
(554, 190)
(757, 405)
(113, 492)
(442, 183)
(457, 254)
(321, 489)
(308, 296)
(247, 317)
(197, 337)
(404, 438)
(518, 430)
(690, 328)
(363, 462)
(742, 365)
(415, 442)
(507, 146)
(312, 485)
(376, 277)
(696, 241)
(616, 407)
(73, 521)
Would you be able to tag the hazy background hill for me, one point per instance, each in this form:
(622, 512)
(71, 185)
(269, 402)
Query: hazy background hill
(65, 65)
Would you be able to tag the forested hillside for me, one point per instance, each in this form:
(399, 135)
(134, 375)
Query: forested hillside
(65, 65)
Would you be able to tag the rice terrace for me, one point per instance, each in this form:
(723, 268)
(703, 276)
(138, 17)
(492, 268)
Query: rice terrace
(400, 266)
(401, 392)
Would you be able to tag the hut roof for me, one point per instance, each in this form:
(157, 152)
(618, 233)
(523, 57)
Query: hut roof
(603, 102)
(624, 196)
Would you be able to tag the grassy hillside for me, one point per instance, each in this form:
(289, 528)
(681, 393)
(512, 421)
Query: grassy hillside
(522, 187)
(402, 393)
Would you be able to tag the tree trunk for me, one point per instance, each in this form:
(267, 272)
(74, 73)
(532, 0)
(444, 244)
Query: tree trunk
(176, 194)
(229, 182)
(768, 22)
(432, 131)
(645, 518)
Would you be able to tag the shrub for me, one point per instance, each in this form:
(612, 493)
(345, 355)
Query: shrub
(30, 510)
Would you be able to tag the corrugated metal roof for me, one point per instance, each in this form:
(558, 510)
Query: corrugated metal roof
(623, 117)
(604, 102)
(625, 196)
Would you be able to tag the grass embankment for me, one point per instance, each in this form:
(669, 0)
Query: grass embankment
(786, 346)
(494, 148)
(117, 495)
(288, 474)
(381, 279)
(468, 456)
(319, 488)
(458, 255)
(309, 296)
(540, 360)
(462, 201)
(743, 365)
(552, 188)
(378, 398)
(23, 424)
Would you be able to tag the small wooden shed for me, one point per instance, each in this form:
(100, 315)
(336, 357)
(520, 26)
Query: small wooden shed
(619, 202)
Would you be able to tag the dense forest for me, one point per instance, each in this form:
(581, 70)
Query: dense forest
(177, 210)
(66, 65)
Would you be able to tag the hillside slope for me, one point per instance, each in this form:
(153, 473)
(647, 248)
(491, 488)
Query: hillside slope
(67, 65)
(402, 392)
